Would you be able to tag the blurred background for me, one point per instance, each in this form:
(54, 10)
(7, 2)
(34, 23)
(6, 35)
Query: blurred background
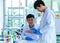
(13, 13)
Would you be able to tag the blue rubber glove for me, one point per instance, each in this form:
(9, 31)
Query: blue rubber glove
(28, 38)
(36, 31)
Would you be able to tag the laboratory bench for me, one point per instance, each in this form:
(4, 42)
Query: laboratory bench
(11, 37)
(24, 41)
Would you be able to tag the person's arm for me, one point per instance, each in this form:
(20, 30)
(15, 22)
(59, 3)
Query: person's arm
(30, 31)
(50, 23)
(26, 36)
(36, 31)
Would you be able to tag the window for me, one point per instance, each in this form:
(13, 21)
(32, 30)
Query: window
(15, 3)
(16, 11)
(22, 3)
(1, 16)
(48, 3)
(56, 6)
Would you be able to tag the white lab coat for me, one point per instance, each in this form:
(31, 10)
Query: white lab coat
(25, 34)
(47, 27)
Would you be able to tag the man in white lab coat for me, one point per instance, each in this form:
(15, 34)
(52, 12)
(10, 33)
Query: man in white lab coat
(47, 24)
(31, 31)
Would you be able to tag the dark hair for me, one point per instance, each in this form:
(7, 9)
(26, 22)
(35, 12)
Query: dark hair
(37, 3)
(30, 16)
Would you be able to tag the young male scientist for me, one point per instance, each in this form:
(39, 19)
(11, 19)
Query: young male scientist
(31, 30)
(47, 24)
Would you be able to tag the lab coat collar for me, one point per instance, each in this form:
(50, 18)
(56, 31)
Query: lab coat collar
(45, 11)
(33, 26)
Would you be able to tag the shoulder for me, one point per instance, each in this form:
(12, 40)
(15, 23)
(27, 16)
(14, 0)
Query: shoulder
(25, 27)
(36, 26)
(50, 11)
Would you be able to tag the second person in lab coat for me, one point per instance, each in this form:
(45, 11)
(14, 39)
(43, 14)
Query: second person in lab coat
(30, 30)
(47, 24)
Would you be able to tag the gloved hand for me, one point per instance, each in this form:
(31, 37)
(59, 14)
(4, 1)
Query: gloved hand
(36, 31)
(28, 38)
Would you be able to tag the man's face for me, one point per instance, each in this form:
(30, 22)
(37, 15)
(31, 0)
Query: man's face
(30, 21)
(40, 8)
